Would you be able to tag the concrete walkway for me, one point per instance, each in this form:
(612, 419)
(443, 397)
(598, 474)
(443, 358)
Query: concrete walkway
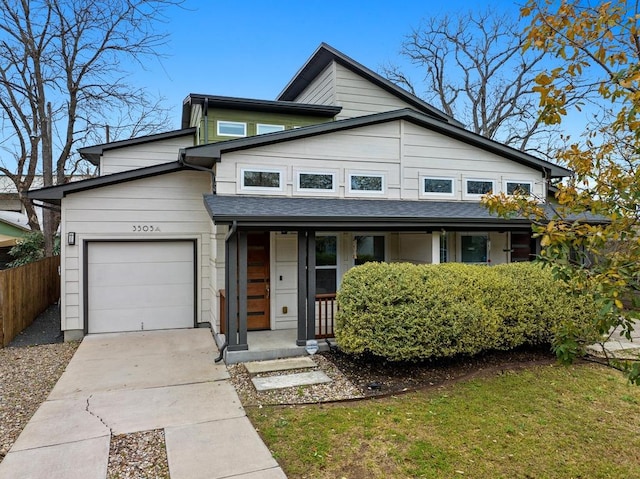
(130, 382)
(618, 346)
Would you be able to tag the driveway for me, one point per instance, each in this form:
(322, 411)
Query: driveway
(130, 382)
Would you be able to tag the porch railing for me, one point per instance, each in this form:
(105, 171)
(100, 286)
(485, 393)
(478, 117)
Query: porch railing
(326, 308)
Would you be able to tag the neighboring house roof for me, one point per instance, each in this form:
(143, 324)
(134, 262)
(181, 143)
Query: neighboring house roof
(13, 225)
(93, 153)
(325, 54)
(327, 213)
(253, 105)
(215, 150)
(54, 194)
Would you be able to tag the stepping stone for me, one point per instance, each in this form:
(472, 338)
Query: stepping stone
(256, 367)
(290, 380)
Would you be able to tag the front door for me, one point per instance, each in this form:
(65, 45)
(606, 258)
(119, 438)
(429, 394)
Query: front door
(521, 247)
(258, 277)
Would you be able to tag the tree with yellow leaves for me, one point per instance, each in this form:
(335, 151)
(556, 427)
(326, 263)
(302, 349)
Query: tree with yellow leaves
(590, 232)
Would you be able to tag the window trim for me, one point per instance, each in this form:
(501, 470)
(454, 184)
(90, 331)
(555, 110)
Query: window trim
(258, 125)
(477, 195)
(432, 193)
(523, 182)
(229, 122)
(316, 190)
(261, 170)
(385, 245)
(383, 184)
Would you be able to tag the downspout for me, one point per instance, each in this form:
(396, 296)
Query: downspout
(183, 162)
(230, 233)
(206, 120)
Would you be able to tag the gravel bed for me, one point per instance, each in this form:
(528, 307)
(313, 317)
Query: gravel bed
(27, 375)
(340, 388)
(138, 455)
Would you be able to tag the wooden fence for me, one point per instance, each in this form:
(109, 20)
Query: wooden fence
(25, 292)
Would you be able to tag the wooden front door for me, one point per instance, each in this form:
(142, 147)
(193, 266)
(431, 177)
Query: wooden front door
(258, 277)
(521, 247)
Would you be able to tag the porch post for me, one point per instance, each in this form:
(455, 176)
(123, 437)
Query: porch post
(231, 286)
(302, 288)
(242, 288)
(311, 285)
(435, 247)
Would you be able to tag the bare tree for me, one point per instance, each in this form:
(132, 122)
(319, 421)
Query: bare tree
(64, 67)
(475, 69)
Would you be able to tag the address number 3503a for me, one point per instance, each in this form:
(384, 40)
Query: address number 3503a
(145, 228)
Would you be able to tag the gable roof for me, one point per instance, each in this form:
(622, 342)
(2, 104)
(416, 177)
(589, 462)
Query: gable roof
(325, 54)
(253, 105)
(93, 153)
(215, 150)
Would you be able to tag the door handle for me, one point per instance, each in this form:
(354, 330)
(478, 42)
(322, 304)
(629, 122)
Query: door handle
(268, 290)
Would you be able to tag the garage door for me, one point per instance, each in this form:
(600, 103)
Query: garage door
(133, 286)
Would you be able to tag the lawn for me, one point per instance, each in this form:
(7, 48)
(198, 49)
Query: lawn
(544, 422)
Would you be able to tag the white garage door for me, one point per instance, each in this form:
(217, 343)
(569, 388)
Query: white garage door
(135, 286)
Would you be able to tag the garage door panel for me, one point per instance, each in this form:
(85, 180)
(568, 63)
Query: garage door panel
(120, 274)
(136, 285)
(140, 319)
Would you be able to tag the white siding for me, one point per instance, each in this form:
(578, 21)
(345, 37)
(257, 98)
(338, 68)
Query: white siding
(166, 207)
(321, 91)
(284, 280)
(142, 155)
(358, 96)
(401, 151)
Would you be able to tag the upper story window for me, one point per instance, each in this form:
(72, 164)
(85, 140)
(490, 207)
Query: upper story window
(518, 187)
(308, 181)
(479, 187)
(232, 128)
(437, 186)
(262, 179)
(366, 183)
(262, 128)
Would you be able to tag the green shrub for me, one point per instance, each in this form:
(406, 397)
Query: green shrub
(402, 311)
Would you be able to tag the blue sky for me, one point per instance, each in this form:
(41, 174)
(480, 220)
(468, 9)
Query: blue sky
(252, 49)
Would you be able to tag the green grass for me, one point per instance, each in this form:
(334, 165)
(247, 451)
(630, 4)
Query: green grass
(546, 422)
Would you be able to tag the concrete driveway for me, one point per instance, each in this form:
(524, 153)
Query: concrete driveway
(130, 382)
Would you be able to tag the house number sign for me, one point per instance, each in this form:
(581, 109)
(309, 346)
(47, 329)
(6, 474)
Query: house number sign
(145, 228)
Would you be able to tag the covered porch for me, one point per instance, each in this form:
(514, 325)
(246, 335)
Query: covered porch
(303, 220)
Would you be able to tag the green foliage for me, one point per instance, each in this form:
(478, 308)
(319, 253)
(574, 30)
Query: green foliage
(30, 248)
(404, 312)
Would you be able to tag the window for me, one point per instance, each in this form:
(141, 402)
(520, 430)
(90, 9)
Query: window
(474, 248)
(444, 248)
(479, 187)
(262, 128)
(437, 186)
(519, 187)
(316, 181)
(261, 179)
(326, 264)
(232, 128)
(366, 183)
(367, 249)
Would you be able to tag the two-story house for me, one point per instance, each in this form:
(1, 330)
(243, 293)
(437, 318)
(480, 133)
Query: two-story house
(271, 202)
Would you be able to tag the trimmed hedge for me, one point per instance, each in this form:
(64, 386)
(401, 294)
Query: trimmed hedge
(401, 311)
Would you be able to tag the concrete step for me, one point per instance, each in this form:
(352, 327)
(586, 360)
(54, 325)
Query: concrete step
(257, 367)
(290, 380)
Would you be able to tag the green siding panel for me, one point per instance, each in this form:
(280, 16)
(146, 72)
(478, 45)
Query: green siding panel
(252, 119)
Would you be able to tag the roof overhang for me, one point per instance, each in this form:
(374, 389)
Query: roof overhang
(54, 194)
(278, 213)
(93, 153)
(254, 105)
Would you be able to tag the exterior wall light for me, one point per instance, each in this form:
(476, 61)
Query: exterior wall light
(71, 238)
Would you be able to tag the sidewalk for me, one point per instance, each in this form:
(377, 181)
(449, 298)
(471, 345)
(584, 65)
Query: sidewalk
(618, 346)
(130, 382)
